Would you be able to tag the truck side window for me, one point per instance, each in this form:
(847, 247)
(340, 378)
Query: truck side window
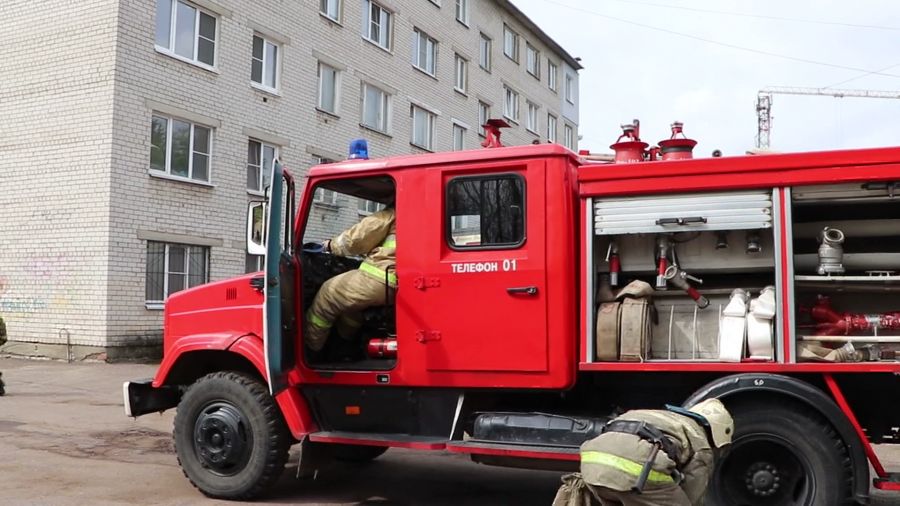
(486, 212)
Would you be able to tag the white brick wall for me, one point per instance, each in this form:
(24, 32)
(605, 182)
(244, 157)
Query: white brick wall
(75, 137)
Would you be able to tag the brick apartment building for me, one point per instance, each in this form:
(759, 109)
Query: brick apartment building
(133, 134)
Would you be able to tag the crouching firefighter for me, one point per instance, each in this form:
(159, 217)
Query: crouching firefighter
(650, 458)
(341, 299)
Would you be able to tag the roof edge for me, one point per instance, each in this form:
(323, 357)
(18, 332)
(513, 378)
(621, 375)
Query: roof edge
(508, 6)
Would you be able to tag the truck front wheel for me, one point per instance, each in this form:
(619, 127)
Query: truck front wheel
(781, 455)
(230, 438)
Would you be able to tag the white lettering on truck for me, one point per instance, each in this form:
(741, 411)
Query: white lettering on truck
(477, 267)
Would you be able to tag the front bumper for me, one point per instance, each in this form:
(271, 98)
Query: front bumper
(142, 398)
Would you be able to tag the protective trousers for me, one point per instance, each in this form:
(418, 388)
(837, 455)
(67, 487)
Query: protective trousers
(575, 492)
(340, 300)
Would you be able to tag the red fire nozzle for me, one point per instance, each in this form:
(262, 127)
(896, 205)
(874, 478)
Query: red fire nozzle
(492, 133)
(675, 148)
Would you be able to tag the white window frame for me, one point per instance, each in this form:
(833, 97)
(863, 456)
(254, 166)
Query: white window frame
(533, 61)
(510, 99)
(458, 140)
(168, 172)
(422, 40)
(552, 75)
(570, 88)
(485, 48)
(531, 120)
(266, 65)
(552, 126)
(386, 108)
(321, 195)
(462, 11)
(158, 304)
(169, 49)
(462, 74)
(430, 119)
(263, 171)
(326, 6)
(510, 43)
(337, 89)
(569, 136)
(366, 207)
(385, 16)
(484, 109)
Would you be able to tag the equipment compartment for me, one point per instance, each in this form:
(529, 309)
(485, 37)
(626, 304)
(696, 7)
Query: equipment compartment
(694, 251)
(846, 262)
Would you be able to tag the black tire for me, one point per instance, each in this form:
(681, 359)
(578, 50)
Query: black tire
(782, 454)
(230, 437)
(357, 453)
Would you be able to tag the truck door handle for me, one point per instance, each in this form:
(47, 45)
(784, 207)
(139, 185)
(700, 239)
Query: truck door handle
(526, 290)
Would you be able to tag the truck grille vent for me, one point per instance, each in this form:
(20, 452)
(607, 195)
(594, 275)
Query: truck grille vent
(230, 293)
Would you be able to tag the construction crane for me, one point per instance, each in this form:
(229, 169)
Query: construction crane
(764, 104)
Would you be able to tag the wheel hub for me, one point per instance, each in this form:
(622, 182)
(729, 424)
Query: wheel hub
(762, 479)
(220, 438)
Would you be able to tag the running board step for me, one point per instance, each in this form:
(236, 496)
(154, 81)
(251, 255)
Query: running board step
(890, 482)
(514, 450)
(390, 440)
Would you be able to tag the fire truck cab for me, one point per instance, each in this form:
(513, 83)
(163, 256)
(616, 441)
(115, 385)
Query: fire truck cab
(505, 339)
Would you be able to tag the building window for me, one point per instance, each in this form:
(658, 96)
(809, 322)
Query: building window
(511, 104)
(424, 52)
(174, 267)
(260, 159)
(377, 24)
(462, 11)
(264, 68)
(569, 137)
(322, 195)
(484, 114)
(510, 44)
(532, 61)
(331, 9)
(570, 88)
(186, 31)
(486, 212)
(254, 263)
(376, 108)
(531, 122)
(551, 128)
(552, 72)
(459, 137)
(369, 206)
(180, 148)
(422, 128)
(484, 58)
(329, 85)
(462, 74)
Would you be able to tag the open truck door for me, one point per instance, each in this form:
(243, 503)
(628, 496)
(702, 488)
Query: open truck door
(270, 232)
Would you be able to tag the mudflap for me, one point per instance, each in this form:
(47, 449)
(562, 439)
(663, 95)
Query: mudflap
(142, 398)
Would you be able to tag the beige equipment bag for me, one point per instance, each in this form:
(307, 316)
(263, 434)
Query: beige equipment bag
(607, 338)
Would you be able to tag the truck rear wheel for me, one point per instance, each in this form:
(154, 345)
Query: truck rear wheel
(781, 455)
(230, 438)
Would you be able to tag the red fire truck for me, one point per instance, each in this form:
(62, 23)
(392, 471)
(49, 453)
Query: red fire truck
(509, 338)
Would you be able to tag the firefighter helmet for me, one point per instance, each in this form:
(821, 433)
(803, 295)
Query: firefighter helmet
(721, 425)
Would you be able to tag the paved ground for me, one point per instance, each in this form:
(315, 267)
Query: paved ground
(64, 440)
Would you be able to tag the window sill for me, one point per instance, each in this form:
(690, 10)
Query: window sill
(162, 175)
(536, 76)
(461, 92)
(328, 113)
(375, 130)
(425, 72)
(535, 132)
(165, 52)
(569, 101)
(330, 19)
(464, 23)
(155, 306)
(256, 193)
(510, 58)
(423, 148)
(486, 69)
(379, 46)
(265, 89)
(513, 121)
(327, 206)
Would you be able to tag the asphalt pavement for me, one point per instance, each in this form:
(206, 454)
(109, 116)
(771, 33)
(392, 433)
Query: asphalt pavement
(65, 440)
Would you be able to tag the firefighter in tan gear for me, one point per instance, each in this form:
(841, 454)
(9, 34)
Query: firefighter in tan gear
(650, 458)
(341, 298)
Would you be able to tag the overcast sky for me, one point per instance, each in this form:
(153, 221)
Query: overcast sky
(638, 72)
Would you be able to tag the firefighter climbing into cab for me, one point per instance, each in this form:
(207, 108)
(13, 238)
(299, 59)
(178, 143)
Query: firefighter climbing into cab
(341, 299)
(651, 458)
